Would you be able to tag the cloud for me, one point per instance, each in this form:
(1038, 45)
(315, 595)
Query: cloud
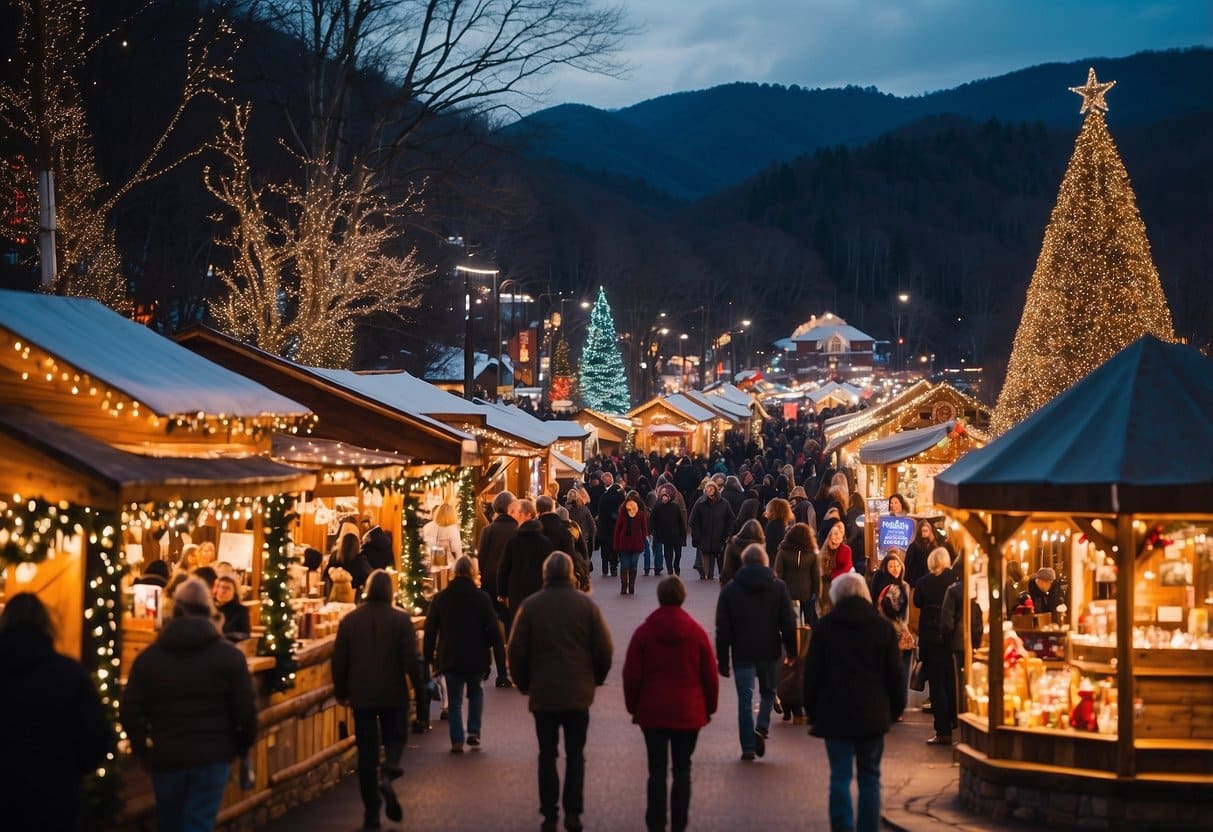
(901, 46)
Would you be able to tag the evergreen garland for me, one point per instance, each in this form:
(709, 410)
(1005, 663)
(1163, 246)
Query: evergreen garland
(277, 615)
(603, 383)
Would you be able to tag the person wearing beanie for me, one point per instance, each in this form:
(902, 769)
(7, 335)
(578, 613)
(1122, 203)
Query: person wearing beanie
(1044, 591)
(802, 507)
(188, 709)
(155, 573)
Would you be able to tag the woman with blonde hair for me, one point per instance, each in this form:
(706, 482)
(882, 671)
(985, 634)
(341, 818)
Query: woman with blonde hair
(443, 531)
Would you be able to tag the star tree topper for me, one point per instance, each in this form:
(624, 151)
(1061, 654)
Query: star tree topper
(1093, 92)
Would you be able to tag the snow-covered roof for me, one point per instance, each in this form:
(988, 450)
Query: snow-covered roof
(564, 465)
(160, 374)
(817, 329)
(545, 432)
(729, 409)
(837, 390)
(733, 393)
(692, 409)
(403, 392)
(448, 364)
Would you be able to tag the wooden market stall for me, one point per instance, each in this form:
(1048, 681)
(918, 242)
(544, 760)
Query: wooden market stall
(923, 405)
(608, 434)
(135, 442)
(674, 424)
(1099, 714)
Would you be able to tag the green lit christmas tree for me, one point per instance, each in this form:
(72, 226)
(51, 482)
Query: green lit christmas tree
(603, 382)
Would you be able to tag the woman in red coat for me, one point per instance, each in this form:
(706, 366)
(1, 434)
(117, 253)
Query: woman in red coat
(670, 689)
(631, 530)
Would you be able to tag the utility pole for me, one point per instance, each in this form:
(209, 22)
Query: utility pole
(46, 177)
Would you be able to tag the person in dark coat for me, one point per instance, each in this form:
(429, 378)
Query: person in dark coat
(671, 690)
(733, 493)
(686, 479)
(608, 513)
(236, 624)
(594, 492)
(796, 565)
(856, 538)
(952, 623)
(778, 516)
(377, 549)
(579, 513)
(1044, 590)
(711, 523)
(926, 540)
(493, 539)
(188, 709)
(560, 652)
(155, 573)
(750, 532)
(521, 570)
(554, 529)
(802, 508)
(854, 691)
(56, 732)
(751, 508)
(753, 620)
(668, 524)
(934, 645)
(461, 628)
(375, 656)
(349, 557)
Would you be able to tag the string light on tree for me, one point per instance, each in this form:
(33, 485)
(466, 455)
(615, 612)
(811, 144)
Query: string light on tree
(1095, 289)
(603, 382)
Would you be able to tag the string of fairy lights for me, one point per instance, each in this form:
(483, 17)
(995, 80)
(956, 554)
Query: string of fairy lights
(1095, 288)
(412, 576)
(36, 365)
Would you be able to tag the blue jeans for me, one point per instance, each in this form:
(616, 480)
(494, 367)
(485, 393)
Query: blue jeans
(455, 686)
(866, 754)
(187, 800)
(649, 551)
(628, 561)
(766, 674)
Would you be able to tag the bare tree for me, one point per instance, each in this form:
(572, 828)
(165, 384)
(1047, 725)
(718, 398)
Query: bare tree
(44, 120)
(384, 82)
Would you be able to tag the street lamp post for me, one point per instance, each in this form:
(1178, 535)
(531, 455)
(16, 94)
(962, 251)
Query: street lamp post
(682, 361)
(903, 298)
(469, 345)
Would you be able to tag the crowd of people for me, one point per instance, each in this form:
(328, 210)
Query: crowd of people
(806, 618)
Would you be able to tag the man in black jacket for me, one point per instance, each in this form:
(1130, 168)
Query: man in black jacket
(492, 547)
(854, 690)
(375, 656)
(460, 629)
(608, 512)
(188, 709)
(753, 620)
(711, 523)
(521, 570)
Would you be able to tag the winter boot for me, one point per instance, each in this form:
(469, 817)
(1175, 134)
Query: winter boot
(632, 582)
(623, 582)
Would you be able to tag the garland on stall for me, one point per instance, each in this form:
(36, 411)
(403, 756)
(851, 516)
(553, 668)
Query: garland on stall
(28, 533)
(277, 616)
(413, 574)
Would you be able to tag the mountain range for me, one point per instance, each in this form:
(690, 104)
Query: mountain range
(692, 144)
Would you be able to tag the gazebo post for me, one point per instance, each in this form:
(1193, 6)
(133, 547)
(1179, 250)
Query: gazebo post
(1126, 755)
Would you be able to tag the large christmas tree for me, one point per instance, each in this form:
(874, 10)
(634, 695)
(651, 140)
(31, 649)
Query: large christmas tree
(1095, 289)
(603, 382)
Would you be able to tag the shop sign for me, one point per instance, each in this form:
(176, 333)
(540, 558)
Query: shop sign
(895, 532)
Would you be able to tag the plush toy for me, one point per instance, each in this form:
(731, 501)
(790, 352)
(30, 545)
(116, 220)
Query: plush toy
(343, 586)
(1083, 715)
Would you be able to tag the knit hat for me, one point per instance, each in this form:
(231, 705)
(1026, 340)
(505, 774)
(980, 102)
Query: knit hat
(798, 493)
(1045, 574)
(826, 526)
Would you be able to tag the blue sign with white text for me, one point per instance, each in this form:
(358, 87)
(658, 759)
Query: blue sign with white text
(895, 532)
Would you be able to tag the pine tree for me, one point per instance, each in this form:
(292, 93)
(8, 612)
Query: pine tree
(562, 372)
(1095, 289)
(603, 382)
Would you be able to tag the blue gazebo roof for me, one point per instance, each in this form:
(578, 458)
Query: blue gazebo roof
(1134, 436)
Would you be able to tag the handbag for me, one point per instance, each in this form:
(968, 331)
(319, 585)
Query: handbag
(918, 675)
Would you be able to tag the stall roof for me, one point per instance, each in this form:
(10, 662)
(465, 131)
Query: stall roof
(519, 423)
(329, 453)
(1134, 436)
(730, 410)
(840, 432)
(567, 467)
(134, 478)
(402, 391)
(903, 445)
(448, 364)
(153, 370)
(693, 410)
(834, 387)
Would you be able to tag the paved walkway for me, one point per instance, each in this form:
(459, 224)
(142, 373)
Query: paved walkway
(495, 788)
